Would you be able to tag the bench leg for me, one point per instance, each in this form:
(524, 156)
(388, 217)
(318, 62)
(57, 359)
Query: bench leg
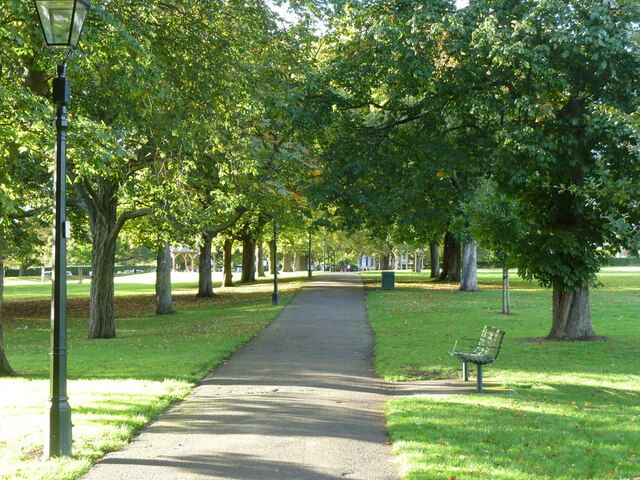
(479, 378)
(465, 371)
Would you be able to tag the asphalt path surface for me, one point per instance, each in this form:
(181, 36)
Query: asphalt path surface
(299, 401)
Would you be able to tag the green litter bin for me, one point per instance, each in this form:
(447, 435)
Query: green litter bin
(388, 280)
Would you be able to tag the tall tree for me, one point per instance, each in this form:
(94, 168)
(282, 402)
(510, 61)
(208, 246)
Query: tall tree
(175, 63)
(400, 154)
(567, 145)
(25, 159)
(112, 152)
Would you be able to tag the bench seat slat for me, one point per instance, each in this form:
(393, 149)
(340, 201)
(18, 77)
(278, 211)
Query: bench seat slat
(476, 358)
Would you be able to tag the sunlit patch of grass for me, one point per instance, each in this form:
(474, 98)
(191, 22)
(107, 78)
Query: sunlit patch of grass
(106, 414)
(547, 431)
(576, 410)
(25, 288)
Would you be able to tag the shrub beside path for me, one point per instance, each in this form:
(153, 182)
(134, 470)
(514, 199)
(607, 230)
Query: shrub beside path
(299, 401)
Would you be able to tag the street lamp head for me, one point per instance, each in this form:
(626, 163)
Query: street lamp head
(62, 21)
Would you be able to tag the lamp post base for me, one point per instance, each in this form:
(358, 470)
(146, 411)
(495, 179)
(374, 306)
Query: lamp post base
(58, 436)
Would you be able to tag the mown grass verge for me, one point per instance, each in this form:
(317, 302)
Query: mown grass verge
(575, 410)
(117, 386)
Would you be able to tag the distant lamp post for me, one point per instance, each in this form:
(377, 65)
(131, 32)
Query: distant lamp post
(62, 22)
(275, 298)
(309, 253)
(324, 253)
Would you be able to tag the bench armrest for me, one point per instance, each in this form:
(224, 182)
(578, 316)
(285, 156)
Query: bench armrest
(474, 340)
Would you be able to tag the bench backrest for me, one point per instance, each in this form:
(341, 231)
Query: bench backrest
(490, 342)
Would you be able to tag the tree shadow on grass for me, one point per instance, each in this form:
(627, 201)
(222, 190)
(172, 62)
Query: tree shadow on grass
(135, 305)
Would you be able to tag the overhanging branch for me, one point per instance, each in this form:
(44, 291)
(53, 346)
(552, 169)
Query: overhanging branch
(128, 215)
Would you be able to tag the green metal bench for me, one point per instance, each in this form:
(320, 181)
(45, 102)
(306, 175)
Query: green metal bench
(482, 351)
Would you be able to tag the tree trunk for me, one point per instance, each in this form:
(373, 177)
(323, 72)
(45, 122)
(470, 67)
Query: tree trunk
(102, 323)
(227, 252)
(103, 232)
(451, 260)
(571, 315)
(469, 281)
(23, 270)
(79, 274)
(101, 204)
(506, 302)
(385, 262)
(300, 263)
(297, 262)
(286, 262)
(435, 260)
(248, 259)
(164, 300)
(261, 258)
(5, 368)
(205, 283)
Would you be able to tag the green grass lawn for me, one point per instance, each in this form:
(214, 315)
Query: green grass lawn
(575, 410)
(117, 386)
(20, 288)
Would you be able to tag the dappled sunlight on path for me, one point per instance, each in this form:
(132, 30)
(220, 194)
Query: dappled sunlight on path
(299, 401)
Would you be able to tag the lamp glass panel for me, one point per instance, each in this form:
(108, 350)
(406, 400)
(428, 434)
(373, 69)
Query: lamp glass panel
(82, 11)
(56, 18)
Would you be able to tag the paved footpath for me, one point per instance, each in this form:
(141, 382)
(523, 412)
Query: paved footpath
(299, 401)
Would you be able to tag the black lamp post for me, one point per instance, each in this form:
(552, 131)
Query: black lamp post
(275, 298)
(62, 22)
(309, 253)
(324, 253)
